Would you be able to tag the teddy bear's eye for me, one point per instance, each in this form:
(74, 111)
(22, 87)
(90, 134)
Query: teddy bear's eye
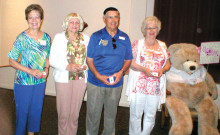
(187, 60)
(194, 60)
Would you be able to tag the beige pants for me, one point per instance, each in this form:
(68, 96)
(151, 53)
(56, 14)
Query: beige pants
(69, 100)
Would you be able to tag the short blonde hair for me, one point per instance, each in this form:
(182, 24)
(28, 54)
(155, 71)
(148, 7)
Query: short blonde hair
(150, 19)
(70, 16)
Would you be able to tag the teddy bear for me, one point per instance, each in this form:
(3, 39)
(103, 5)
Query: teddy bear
(190, 86)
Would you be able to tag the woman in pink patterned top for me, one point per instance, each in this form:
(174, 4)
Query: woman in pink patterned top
(151, 60)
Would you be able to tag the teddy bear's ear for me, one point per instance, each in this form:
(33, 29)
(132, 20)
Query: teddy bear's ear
(173, 48)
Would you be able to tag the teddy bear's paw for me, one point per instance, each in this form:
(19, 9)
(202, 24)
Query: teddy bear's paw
(179, 130)
(208, 130)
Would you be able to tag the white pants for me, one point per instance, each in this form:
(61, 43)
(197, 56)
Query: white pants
(142, 103)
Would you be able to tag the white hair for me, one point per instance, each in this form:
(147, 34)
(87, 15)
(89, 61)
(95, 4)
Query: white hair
(150, 19)
(70, 16)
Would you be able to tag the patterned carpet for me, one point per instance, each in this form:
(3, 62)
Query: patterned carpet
(49, 118)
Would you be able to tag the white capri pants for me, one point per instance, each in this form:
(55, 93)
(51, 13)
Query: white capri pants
(146, 104)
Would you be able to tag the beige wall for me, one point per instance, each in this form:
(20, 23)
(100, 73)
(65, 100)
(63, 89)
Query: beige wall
(12, 20)
(0, 30)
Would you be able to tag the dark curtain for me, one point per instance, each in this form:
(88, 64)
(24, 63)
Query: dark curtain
(190, 21)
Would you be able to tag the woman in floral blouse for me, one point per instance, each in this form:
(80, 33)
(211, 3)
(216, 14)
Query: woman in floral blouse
(150, 61)
(67, 56)
(32, 47)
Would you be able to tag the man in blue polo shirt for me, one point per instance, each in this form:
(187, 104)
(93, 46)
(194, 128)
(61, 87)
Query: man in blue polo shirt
(109, 55)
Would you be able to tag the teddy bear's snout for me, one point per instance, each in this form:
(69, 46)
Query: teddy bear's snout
(192, 67)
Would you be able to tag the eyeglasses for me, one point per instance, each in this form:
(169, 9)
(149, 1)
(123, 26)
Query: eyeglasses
(151, 28)
(113, 43)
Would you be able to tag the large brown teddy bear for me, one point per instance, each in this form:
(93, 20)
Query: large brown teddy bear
(191, 86)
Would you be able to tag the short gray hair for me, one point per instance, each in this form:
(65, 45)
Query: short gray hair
(150, 19)
(70, 16)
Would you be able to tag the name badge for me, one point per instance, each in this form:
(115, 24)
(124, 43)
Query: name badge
(122, 38)
(42, 42)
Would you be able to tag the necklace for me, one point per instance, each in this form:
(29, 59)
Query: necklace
(75, 41)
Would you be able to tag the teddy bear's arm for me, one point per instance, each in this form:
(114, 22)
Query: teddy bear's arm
(173, 87)
(211, 86)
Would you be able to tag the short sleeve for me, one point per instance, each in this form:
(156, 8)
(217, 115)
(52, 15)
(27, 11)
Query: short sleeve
(128, 55)
(48, 40)
(91, 47)
(16, 49)
(135, 48)
(168, 54)
(165, 47)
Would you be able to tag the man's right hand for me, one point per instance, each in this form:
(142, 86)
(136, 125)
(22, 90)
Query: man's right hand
(103, 79)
